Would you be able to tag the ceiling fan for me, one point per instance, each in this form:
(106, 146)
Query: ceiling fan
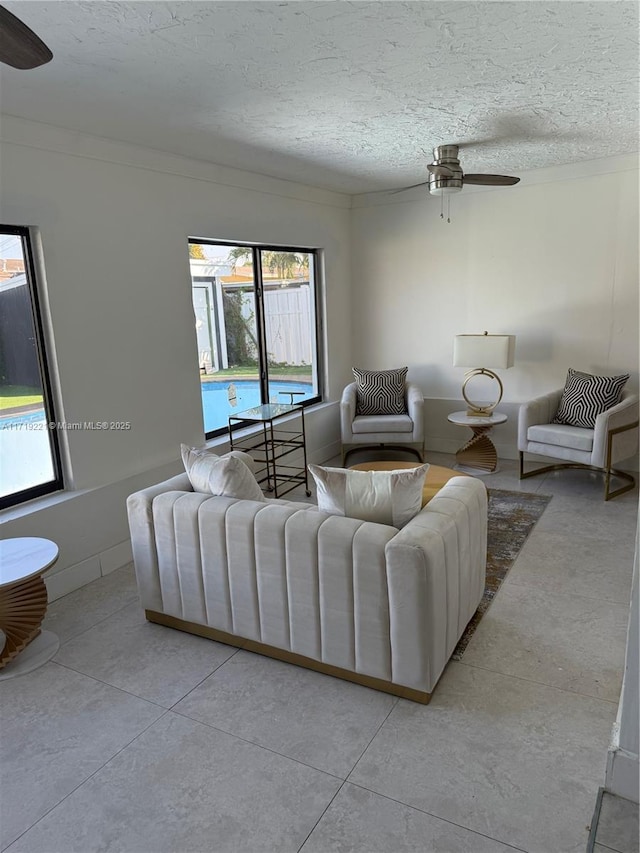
(20, 47)
(446, 175)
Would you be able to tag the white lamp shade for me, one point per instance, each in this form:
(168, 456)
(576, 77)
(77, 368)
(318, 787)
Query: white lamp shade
(484, 350)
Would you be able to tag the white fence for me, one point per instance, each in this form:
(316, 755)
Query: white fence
(289, 323)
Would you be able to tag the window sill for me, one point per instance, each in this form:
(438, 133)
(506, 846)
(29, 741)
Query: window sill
(37, 504)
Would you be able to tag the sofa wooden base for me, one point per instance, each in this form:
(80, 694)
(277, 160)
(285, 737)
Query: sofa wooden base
(288, 657)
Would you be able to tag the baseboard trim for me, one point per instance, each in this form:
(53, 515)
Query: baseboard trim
(288, 657)
(322, 454)
(622, 774)
(75, 577)
(116, 557)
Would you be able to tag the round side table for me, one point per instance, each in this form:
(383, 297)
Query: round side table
(23, 604)
(478, 452)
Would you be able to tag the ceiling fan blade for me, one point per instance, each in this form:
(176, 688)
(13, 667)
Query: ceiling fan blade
(490, 180)
(440, 171)
(413, 186)
(20, 47)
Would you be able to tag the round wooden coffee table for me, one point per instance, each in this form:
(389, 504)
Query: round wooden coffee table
(23, 604)
(437, 475)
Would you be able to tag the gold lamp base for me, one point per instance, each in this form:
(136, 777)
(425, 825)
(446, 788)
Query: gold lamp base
(480, 413)
(473, 409)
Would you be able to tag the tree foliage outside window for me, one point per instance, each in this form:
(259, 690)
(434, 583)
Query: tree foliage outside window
(197, 252)
(242, 346)
(284, 265)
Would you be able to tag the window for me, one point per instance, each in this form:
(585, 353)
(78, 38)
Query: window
(256, 326)
(29, 457)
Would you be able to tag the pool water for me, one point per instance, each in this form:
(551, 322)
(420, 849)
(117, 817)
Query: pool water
(217, 398)
(25, 452)
(34, 417)
(216, 403)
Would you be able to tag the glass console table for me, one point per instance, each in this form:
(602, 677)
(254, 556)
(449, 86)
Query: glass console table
(272, 444)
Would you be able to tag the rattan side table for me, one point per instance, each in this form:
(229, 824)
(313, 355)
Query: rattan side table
(23, 604)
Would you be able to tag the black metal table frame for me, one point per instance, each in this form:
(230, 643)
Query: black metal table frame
(274, 444)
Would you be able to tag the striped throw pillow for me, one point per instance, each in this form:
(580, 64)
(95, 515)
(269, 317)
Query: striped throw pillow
(586, 396)
(380, 392)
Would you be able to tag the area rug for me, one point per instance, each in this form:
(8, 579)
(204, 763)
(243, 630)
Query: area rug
(512, 517)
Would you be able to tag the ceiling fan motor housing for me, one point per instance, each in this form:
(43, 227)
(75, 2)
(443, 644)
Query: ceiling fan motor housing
(446, 155)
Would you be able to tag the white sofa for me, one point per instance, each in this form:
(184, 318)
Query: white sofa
(363, 601)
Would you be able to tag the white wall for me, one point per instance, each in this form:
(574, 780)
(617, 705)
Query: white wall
(114, 221)
(553, 260)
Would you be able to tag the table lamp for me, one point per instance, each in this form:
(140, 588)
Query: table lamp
(489, 350)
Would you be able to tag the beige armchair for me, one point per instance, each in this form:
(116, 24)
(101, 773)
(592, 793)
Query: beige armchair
(397, 432)
(613, 439)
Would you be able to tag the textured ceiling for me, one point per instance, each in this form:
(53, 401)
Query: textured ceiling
(350, 96)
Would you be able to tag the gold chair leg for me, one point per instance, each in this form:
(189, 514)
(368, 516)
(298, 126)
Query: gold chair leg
(623, 475)
(561, 466)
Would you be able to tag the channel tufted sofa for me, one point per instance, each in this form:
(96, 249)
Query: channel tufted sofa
(362, 601)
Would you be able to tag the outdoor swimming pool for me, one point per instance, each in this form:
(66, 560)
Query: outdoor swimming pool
(24, 439)
(215, 401)
(34, 417)
(217, 398)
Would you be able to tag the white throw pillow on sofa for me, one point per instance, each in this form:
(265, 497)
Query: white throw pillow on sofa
(230, 475)
(386, 497)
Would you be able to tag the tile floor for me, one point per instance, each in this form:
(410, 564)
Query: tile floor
(144, 739)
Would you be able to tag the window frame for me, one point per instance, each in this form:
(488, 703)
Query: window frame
(263, 369)
(57, 483)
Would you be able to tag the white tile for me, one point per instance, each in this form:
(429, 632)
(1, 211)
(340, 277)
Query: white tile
(183, 787)
(151, 661)
(58, 727)
(362, 822)
(510, 482)
(317, 719)
(575, 517)
(587, 484)
(85, 607)
(510, 759)
(589, 566)
(561, 640)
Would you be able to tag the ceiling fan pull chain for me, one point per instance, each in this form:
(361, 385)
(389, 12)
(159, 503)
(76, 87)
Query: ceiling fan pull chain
(449, 210)
(441, 207)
